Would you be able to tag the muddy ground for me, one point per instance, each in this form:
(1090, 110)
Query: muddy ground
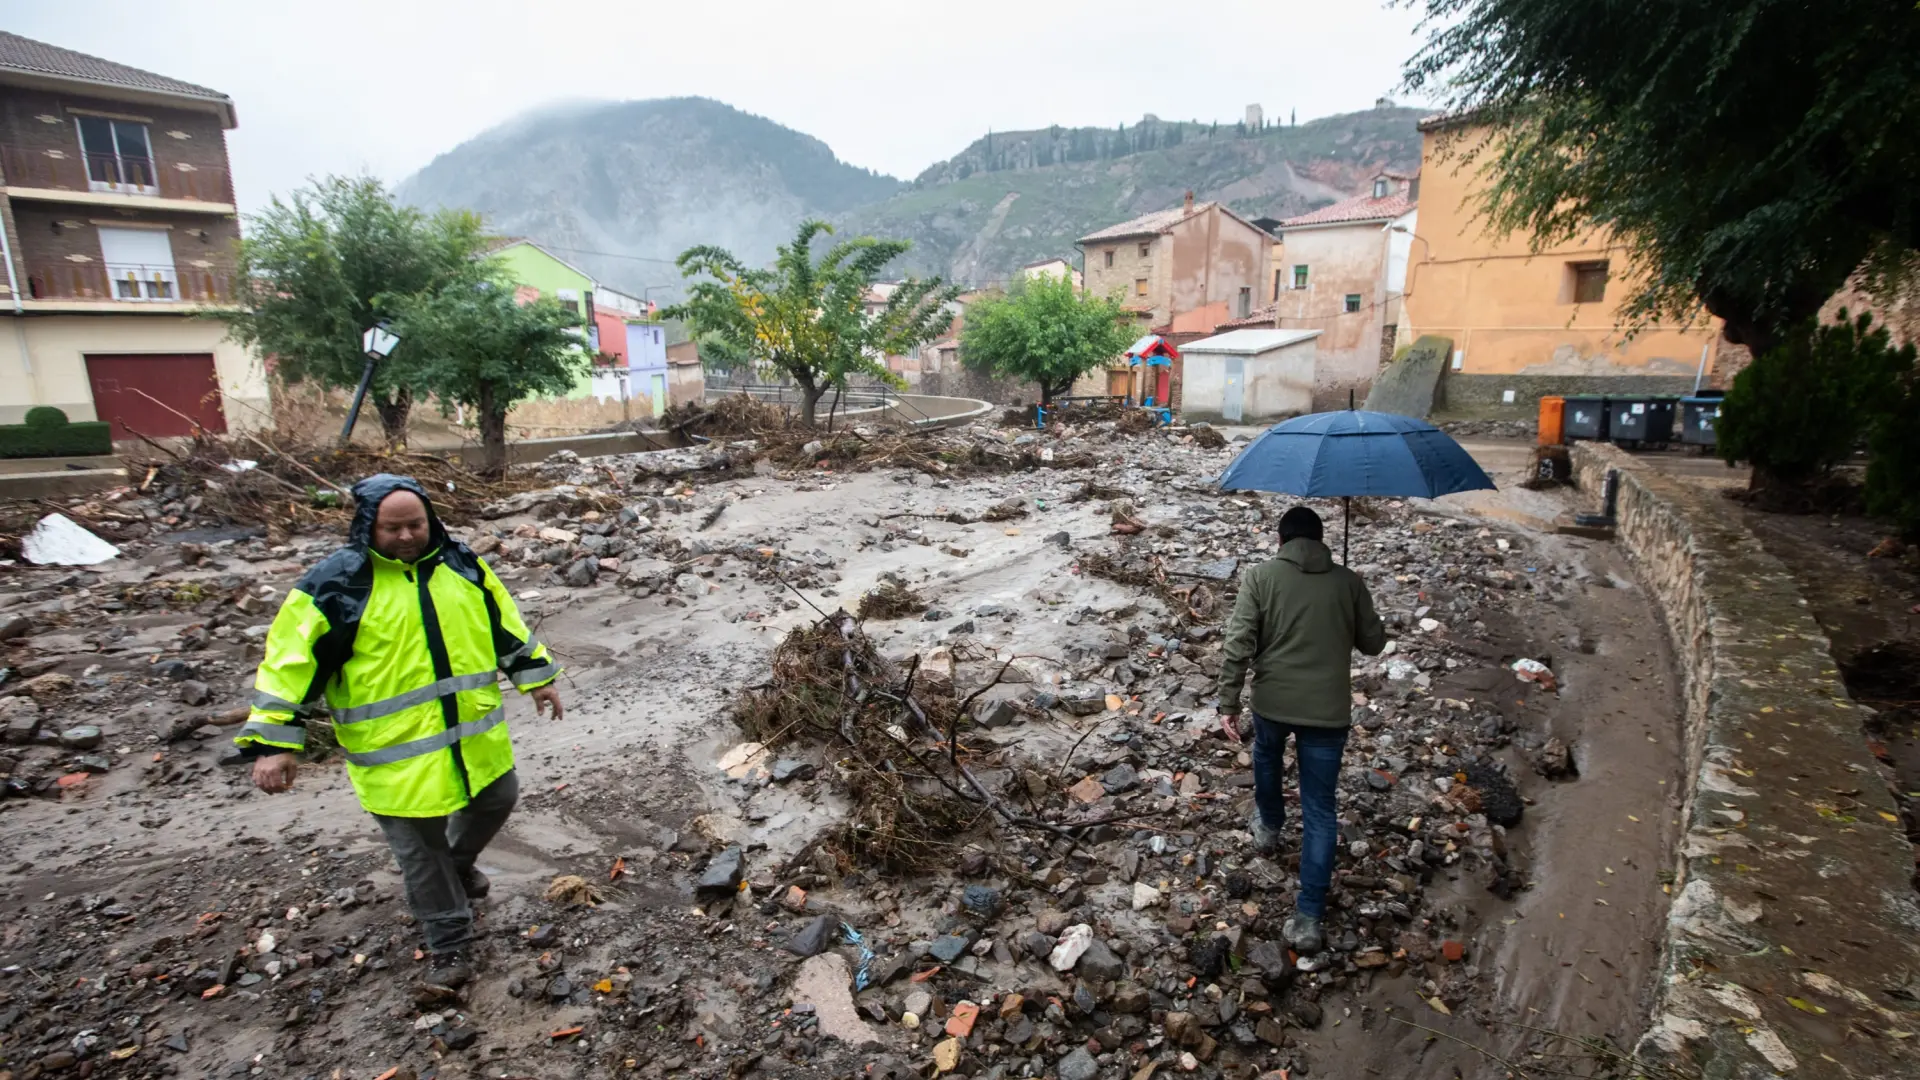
(162, 918)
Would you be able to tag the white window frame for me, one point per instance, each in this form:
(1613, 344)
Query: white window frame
(118, 187)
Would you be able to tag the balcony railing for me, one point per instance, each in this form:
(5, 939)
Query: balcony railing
(130, 283)
(70, 170)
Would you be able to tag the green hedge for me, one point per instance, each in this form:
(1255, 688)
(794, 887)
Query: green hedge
(47, 433)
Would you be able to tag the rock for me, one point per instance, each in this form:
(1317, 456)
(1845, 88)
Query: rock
(1144, 896)
(93, 763)
(949, 947)
(1072, 946)
(1499, 799)
(460, 1038)
(554, 535)
(177, 1042)
(1037, 944)
(1379, 781)
(84, 737)
(1122, 777)
(1079, 1065)
(1061, 540)
(582, 572)
(1454, 951)
(786, 769)
(1209, 956)
(824, 982)
(1100, 964)
(20, 719)
(1554, 761)
(1085, 704)
(58, 541)
(982, 900)
(1052, 922)
(1305, 1013)
(723, 872)
(14, 626)
(59, 1060)
(543, 935)
(194, 692)
(1088, 790)
(1270, 1031)
(994, 712)
(560, 988)
(814, 938)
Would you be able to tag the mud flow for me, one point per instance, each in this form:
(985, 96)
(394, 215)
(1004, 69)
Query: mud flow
(892, 761)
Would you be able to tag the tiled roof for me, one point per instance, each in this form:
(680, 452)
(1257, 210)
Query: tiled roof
(1148, 224)
(1260, 317)
(39, 58)
(1359, 208)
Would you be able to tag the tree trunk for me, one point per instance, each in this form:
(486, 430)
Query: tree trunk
(493, 433)
(810, 401)
(1046, 395)
(393, 417)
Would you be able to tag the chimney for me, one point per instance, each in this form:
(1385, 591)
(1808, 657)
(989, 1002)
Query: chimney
(1189, 200)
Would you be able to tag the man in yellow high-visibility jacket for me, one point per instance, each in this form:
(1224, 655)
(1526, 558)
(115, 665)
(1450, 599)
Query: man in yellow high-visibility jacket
(403, 635)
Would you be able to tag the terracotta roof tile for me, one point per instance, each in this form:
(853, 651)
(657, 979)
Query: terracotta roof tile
(1148, 224)
(1259, 317)
(1359, 208)
(38, 58)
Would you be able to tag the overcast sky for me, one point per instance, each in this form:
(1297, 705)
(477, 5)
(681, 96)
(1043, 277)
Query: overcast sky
(382, 86)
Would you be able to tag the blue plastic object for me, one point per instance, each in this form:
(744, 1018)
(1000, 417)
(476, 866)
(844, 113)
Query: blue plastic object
(1353, 452)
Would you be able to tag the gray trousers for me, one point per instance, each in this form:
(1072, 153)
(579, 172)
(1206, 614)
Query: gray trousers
(433, 853)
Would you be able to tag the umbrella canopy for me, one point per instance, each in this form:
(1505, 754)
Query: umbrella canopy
(1348, 453)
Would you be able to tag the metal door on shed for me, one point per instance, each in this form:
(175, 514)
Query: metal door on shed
(156, 395)
(1233, 395)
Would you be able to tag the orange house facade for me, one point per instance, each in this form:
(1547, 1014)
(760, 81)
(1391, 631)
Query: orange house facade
(1524, 324)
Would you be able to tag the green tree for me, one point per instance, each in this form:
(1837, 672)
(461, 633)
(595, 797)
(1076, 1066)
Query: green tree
(321, 267)
(1751, 155)
(1801, 407)
(807, 319)
(1045, 332)
(477, 346)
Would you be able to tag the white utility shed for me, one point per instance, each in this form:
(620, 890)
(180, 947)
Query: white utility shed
(1253, 376)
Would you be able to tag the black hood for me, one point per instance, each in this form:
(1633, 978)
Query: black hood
(367, 496)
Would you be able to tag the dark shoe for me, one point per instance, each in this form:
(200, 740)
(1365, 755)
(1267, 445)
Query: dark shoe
(1304, 934)
(449, 969)
(475, 882)
(1266, 840)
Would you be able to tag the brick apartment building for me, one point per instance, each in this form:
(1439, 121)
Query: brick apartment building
(120, 234)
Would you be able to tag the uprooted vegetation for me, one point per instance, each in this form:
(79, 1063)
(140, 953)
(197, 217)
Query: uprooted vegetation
(896, 732)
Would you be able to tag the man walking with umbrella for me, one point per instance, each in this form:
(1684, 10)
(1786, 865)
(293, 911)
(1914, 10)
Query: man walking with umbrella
(1295, 624)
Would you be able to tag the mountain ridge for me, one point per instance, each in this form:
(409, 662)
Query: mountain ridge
(621, 188)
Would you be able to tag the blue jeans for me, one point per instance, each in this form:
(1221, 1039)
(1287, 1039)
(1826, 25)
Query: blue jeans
(1318, 750)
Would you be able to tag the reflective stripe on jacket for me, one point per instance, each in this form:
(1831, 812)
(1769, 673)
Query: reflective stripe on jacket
(407, 658)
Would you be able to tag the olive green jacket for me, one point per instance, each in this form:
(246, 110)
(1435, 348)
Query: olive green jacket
(1296, 623)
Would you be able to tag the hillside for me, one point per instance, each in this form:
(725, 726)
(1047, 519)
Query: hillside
(645, 178)
(1017, 197)
(653, 178)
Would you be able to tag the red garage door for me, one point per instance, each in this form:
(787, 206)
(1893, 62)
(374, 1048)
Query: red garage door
(156, 395)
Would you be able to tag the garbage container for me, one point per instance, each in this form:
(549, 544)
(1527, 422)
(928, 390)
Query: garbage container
(1553, 421)
(1637, 421)
(1585, 417)
(1699, 414)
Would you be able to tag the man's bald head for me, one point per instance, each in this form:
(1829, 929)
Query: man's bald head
(401, 528)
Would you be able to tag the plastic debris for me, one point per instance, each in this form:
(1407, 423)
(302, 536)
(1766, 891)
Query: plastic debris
(58, 541)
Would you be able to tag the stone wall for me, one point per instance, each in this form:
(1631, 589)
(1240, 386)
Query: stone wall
(1484, 393)
(1794, 881)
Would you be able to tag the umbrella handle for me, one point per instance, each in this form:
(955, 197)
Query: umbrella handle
(1346, 527)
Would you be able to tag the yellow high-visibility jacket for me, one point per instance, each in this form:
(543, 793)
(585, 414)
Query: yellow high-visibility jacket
(407, 657)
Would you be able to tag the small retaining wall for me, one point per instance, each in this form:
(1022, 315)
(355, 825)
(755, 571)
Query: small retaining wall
(1794, 878)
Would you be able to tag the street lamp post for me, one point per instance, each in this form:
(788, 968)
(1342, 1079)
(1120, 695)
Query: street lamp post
(378, 343)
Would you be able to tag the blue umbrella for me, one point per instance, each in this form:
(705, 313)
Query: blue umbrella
(1353, 452)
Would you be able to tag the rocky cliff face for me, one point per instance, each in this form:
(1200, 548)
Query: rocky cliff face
(649, 179)
(645, 179)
